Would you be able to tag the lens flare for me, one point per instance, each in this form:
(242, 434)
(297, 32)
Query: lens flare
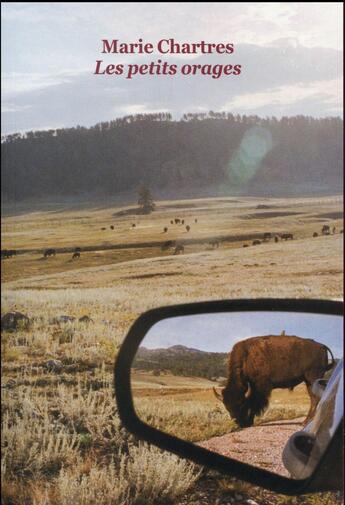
(255, 145)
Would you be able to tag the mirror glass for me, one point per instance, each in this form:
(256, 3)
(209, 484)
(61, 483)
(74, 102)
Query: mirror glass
(243, 384)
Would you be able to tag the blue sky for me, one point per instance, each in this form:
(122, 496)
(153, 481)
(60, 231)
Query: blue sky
(219, 332)
(291, 55)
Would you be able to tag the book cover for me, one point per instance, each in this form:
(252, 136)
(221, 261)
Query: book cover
(156, 154)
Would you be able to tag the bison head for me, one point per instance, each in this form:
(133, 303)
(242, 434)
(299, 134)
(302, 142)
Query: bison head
(238, 404)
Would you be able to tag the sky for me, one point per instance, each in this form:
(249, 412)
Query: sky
(219, 332)
(290, 52)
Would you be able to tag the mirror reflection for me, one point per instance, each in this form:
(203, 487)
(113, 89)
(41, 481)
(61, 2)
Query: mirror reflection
(243, 384)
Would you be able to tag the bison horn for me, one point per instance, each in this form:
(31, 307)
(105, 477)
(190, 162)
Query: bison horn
(248, 392)
(217, 395)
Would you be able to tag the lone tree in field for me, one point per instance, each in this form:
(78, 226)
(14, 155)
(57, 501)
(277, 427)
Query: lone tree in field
(145, 200)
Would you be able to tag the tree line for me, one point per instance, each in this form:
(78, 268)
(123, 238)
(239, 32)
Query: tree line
(200, 149)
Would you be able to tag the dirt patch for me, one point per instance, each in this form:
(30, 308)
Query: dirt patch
(332, 215)
(260, 446)
(150, 276)
(136, 211)
(267, 215)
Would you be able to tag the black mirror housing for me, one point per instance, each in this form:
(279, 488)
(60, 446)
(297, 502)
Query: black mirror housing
(240, 470)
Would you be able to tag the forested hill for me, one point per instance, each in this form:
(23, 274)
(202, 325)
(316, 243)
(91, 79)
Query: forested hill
(238, 154)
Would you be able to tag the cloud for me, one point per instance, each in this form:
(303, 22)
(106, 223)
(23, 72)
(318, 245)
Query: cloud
(313, 24)
(15, 83)
(283, 96)
(279, 79)
(139, 109)
(11, 107)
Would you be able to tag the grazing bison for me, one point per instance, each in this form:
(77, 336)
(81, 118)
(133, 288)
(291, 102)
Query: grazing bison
(188, 227)
(133, 225)
(111, 226)
(8, 253)
(267, 235)
(103, 229)
(49, 252)
(195, 220)
(276, 239)
(167, 245)
(179, 249)
(256, 242)
(182, 221)
(214, 243)
(171, 222)
(165, 229)
(341, 231)
(315, 234)
(259, 364)
(76, 255)
(177, 220)
(326, 229)
(245, 245)
(286, 236)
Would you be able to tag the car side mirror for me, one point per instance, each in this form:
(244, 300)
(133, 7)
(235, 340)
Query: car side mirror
(210, 382)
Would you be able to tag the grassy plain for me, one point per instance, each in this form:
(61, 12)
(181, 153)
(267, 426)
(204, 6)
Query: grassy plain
(62, 437)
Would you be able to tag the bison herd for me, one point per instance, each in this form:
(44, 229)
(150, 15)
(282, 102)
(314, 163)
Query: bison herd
(178, 248)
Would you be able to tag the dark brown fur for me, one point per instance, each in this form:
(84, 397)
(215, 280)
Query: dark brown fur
(286, 236)
(259, 364)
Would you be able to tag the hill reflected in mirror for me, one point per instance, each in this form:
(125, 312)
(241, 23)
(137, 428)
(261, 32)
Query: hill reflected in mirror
(239, 384)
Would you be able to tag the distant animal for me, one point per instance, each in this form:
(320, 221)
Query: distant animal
(133, 225)
(182, 221)
(188, 227)
(179, 249)
(286, 236)
(267, 235)
(111, 226)
(315, 234)
(195, 220)
(165, 229)
(177, 220)
(245, 245)
(77, 249)
(76, 255)
(8, 253)
(167, 245)
(171, 222)
(4, 254)
(258, 365)
(334, 229)
(256, 242)
(276, 239)
(326, 229)
(49, 252)
(341, 231)
(214, 243)
(103, 229)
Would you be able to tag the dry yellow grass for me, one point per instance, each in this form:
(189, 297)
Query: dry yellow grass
(225, 218)
(114, 287)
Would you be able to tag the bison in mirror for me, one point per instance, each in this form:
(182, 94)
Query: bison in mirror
(258, 365)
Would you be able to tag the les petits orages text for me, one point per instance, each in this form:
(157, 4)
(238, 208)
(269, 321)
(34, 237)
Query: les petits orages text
(160, 67)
